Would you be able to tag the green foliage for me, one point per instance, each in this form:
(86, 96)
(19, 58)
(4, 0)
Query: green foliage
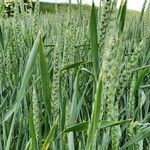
(50, 135)
(44, 78)
(78, 85)
(93, 125)
(142, 134)
(94, 40)
(122, 16)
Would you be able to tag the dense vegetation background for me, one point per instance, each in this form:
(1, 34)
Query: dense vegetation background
(76, 77)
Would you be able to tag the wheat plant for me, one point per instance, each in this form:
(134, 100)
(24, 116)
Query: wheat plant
(75, 80)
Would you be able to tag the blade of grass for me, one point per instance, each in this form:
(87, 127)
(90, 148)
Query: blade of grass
(102, 125)
(139, 80)
(26, 77)
(73, 65)
(93, 125)
(1, 38)
(122, 16)
(44, 78)
(50, 135)
(73, 113)
(94, 41)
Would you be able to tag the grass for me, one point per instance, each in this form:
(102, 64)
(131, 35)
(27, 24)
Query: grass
(75, 78)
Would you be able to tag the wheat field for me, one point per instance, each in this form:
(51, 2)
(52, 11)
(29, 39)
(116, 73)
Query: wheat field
(75, 80)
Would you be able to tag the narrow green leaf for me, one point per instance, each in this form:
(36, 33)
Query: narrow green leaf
(50, 135)
(95, 114)
(104, 124)
(94, 40)
(44, 77)
(122, 16)
(77, 127)
(143, 9)
(27, 74)
(73, 113)
(1, 38)
(21, 92)
(139, 80)
(73, 65)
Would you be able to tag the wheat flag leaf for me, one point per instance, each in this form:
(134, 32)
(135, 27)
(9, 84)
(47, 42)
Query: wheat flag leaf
(104, 124)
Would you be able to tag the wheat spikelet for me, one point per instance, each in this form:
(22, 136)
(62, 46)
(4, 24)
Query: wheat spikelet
(36, 117)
